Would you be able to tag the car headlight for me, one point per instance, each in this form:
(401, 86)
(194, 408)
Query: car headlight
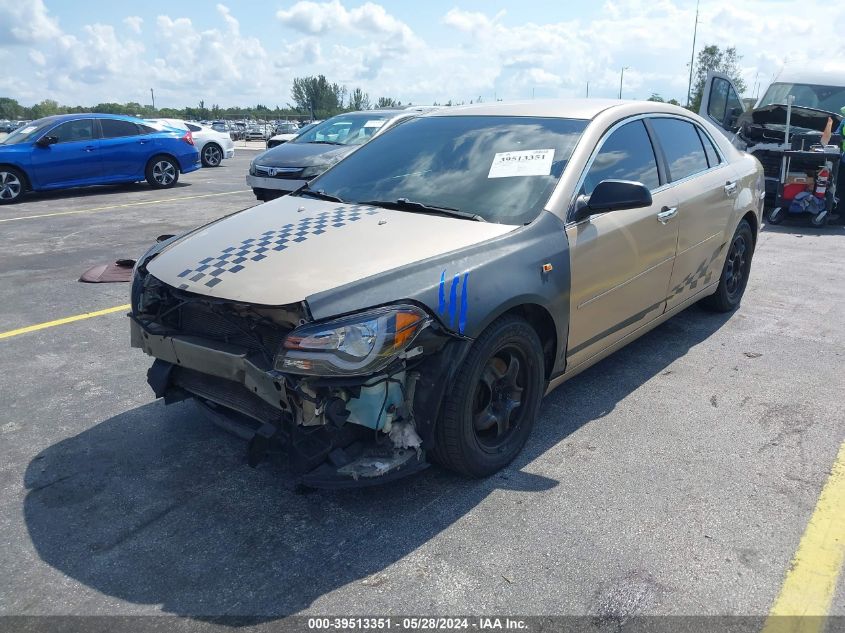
(360, 344)
(314, 171)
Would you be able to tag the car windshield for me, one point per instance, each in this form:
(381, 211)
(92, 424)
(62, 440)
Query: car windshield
(29, 132)
(345, 129)
(827, 98)
(501, 168)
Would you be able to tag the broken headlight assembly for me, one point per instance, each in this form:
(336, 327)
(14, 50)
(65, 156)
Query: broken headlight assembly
(356, 345)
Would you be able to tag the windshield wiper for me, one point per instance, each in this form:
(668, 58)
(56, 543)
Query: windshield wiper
(403, 204)
(324, 142)
(320, 194)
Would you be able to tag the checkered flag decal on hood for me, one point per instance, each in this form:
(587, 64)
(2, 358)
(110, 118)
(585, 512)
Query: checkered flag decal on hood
(234, 259)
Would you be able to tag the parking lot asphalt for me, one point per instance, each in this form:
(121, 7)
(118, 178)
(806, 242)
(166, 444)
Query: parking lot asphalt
(675, 477)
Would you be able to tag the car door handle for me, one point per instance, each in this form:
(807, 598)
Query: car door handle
(142, 142)
(666, 214)
(730, 188)
(89, 148)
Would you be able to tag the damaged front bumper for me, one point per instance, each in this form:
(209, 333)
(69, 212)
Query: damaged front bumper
(335, 432)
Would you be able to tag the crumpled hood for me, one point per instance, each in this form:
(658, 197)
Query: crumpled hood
(303, 154)
(282, 251)
(775, 114)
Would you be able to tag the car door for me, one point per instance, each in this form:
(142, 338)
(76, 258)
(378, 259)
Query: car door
(621, 261)
(72, 159)
(706, 187)
(123, 149)
(720, 103)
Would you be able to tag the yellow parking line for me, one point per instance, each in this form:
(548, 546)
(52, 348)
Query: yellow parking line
(70, 319)
(810, 583)
(121, 206)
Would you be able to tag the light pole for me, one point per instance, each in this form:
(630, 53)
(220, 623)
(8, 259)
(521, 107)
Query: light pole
(153, 95)
(692, 56)
(621, 77)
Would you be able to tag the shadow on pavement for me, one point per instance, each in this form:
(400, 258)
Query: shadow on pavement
(96, 191)
(155, 506)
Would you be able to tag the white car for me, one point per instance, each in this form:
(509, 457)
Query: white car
(213, 146)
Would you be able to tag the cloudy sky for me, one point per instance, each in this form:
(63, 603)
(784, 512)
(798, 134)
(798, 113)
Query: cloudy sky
(242, 53)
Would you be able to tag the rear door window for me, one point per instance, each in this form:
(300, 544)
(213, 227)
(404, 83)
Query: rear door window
(627, 154)
(680, 142)
(116, 128)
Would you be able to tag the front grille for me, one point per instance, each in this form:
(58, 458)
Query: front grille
(284, 173)
(198, 319)
(226, 392)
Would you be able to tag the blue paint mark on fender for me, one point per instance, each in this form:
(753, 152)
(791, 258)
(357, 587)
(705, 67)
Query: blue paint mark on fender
(453, 301)
(457, 313)
(462, 321)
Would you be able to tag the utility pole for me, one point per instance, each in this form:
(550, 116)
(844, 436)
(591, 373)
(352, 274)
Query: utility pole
(153, 95)
(621, 77)
(692, 55)
(588, 90)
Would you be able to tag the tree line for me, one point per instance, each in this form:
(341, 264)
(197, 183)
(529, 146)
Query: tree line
(313, 97)
(317, 98)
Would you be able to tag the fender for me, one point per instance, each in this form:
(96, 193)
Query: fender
(468, 289)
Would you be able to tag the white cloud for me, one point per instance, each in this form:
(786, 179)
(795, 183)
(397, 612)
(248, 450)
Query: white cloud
(133, 22)
(26, 22)
(475, 53)
(368, 20)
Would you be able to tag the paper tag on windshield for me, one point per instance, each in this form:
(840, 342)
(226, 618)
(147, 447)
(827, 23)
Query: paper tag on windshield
(374, 123)
(27, 130)
(535, 162)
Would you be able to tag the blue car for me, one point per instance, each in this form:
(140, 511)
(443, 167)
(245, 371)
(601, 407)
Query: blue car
(77, 150)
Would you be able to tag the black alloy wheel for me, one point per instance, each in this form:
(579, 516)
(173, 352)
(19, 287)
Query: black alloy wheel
(495, 395)
(735, 272)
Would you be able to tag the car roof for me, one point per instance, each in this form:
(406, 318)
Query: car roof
(61, 118)
(556, 108)
(795, 75)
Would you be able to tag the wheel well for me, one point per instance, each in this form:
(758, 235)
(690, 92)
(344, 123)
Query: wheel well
(540, 319)
(27, 183)
(165, 155)
(751, 217)
(215, 143)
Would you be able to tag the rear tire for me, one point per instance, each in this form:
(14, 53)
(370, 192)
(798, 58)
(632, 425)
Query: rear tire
(489, 412)
(735, 272)
(12, 185)
(212, 155)
(162, 172)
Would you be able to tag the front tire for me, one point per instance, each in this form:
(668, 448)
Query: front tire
(162, 172)
(12, 185)
(735, 272)
(212, 155)
(490, 411)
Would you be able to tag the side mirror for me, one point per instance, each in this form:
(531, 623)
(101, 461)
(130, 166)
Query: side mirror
(46, 141)
(613, 195)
